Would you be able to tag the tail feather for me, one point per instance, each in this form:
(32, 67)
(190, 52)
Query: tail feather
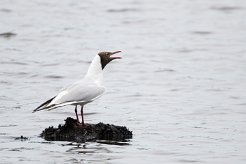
(43, 106)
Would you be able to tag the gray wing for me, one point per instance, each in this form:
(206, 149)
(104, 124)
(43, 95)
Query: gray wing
(80, 92)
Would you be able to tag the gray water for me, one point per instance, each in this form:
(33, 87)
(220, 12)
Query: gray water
(180, 86)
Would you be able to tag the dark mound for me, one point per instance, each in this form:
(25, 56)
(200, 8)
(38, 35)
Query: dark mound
(75, 132)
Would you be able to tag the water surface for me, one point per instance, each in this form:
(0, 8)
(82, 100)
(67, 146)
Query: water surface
(180, 86)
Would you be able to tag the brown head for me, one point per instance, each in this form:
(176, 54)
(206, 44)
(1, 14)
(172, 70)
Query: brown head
(107, 57)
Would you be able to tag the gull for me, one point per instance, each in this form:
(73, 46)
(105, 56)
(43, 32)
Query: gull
(82, 91)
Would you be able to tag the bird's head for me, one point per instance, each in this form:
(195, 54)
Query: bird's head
(107, 57)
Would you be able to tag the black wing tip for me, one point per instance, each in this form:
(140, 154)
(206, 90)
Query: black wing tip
(43, 106)
(35, 110)
(38, 109)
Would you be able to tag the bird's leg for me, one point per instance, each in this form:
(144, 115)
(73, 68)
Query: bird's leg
(76, 113)
(82, 115)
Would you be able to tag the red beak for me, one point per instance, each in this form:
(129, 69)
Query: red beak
(115, 57)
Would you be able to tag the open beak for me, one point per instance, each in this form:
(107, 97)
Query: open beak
(115, 57)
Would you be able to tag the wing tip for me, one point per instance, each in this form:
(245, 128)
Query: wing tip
(35, 110)
(38, 109)
(43, 106)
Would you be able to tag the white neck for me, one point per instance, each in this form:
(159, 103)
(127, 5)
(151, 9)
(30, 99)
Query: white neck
(95, 70)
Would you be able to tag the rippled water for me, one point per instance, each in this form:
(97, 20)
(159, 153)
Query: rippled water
(180, 86)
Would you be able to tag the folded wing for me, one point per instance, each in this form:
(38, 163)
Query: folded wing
(81, 92)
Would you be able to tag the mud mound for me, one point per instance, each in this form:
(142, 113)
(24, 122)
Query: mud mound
(75, 132)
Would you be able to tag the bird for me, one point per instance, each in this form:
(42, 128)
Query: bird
(83, 91)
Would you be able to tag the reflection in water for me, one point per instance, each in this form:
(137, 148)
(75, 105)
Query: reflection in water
(110, 142)
(86, 148)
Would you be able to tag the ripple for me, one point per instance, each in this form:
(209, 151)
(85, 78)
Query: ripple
(87, 149)
(51, 64)
(5, 10)
(165, 70)
(5, 82)
(122, 10)
(113, 142)
(202, 32)
(10, 125)
(187, 50)
(54, 77)
(226, 8)
(7, 35)
(215, 90)
(13, 62)
(21, 148)
(188, 161)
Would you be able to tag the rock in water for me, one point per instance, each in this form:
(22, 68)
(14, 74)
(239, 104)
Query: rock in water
(75, 132)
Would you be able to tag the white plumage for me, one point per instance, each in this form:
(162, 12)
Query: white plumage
(85, 90)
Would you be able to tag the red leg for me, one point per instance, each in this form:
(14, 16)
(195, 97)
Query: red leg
(82, 115)
(76, 113)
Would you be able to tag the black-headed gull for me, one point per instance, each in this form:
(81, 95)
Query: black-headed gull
(85, 90)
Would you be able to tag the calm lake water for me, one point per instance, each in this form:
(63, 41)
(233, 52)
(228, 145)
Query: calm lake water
(180, 87)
